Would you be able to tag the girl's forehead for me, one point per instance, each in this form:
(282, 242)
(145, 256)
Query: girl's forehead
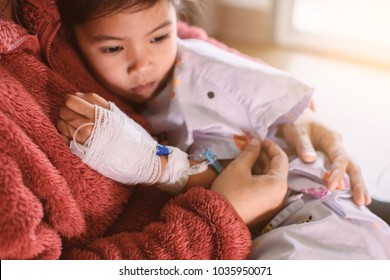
(134, 6)
(142, 22)
(139, 8)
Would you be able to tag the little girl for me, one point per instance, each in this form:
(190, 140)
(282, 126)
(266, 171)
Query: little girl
(209, 102)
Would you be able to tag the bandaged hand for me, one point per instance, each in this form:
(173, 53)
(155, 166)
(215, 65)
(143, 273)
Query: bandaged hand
(113, 144)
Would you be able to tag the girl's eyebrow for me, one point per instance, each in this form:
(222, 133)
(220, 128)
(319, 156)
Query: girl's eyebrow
(99, 38)
(162, 25)
(103, 37)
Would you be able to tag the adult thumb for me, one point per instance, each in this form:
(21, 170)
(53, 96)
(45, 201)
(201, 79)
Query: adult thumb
(250, 154)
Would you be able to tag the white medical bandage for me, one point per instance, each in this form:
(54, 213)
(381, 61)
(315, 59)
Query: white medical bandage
(176, 172)
(120, 149)
(178, 169)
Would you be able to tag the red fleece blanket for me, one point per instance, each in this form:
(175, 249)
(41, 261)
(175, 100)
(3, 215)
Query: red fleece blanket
(52, 205)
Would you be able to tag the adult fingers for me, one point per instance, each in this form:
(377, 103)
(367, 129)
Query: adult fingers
(276, 175)
(299, 136)
(328, 141)
(337, 172)
(278, 161)
(262, 164)
(360, 193)
(331, 144)
(247, 158)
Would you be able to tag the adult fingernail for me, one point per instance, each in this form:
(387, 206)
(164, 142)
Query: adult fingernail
(309, 156)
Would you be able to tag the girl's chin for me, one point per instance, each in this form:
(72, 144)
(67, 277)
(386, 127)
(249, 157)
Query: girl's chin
(139, 98)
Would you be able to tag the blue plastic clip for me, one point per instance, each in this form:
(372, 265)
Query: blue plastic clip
(162, 150)
(213, 161)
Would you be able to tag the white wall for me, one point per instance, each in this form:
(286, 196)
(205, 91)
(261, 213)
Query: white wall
(243, 20)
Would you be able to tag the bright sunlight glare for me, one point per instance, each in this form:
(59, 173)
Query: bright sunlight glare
(359, 20)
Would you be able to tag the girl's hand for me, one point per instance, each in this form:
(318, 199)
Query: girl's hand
(78, 110)
(309, 134)
(119, 148)
(256, 198)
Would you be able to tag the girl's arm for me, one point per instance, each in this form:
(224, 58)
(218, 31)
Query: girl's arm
(80, 109)
(200, 223)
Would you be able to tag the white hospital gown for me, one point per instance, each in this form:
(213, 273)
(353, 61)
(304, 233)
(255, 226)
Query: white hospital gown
(319, 224)
(219, 100)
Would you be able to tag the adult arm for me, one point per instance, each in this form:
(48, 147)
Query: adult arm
(205, 224)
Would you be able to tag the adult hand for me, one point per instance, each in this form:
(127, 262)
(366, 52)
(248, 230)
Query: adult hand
(256, 198)
(78, 110)
(309, 134)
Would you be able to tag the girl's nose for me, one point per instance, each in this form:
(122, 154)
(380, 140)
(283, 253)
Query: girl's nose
(140, 62)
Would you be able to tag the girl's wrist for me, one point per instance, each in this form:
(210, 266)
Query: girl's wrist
(164, 162)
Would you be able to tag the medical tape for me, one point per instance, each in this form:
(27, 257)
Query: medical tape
(119, 148)
(76, 144)
(210, 160)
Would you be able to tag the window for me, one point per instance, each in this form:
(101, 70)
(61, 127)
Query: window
(355, 28)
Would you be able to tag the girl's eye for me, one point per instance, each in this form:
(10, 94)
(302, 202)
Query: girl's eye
(159, 39)
(112, 49)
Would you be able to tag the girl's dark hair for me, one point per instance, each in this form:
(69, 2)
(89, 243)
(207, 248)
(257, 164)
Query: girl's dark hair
(78, 12)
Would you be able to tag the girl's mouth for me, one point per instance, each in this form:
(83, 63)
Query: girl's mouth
(143, 89)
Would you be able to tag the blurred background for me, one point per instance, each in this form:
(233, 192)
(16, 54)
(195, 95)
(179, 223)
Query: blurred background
(340, 47)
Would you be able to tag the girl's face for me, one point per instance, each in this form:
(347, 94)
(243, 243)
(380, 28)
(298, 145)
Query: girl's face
(131, 53)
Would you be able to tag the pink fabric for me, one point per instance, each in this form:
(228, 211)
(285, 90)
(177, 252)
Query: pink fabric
(51, 204)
